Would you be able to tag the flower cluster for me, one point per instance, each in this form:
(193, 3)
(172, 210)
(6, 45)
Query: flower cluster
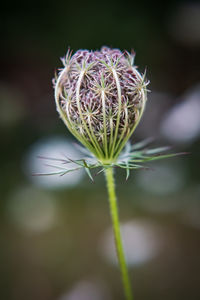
(100, 96)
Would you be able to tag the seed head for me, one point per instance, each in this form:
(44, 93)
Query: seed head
(100, 96)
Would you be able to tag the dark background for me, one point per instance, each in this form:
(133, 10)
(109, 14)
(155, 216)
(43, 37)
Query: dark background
(53, 243)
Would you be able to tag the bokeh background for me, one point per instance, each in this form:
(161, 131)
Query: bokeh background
(55, 235)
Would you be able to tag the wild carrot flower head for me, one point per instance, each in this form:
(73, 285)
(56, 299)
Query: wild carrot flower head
(100, 96)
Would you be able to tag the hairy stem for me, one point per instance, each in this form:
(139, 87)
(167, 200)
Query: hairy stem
(117, 233)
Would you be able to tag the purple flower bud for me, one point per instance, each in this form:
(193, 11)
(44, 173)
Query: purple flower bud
(100, 96)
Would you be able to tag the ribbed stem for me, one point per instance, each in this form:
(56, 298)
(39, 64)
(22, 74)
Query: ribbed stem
(117, 233)
(104, 123)
(119, 109)
(66, 119)
(91, 136)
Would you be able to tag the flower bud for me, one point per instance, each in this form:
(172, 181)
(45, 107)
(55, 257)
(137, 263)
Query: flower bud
(100, 96)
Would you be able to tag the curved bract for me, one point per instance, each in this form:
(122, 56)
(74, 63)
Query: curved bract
(100, 96)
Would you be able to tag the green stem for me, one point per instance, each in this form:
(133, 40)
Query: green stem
(117, 233)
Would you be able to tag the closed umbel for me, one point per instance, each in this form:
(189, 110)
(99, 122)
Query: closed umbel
(100, 96)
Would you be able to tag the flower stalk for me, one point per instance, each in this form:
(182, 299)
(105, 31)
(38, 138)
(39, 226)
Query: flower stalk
(117, 234)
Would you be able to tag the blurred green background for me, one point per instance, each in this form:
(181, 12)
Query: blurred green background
(55, 239)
